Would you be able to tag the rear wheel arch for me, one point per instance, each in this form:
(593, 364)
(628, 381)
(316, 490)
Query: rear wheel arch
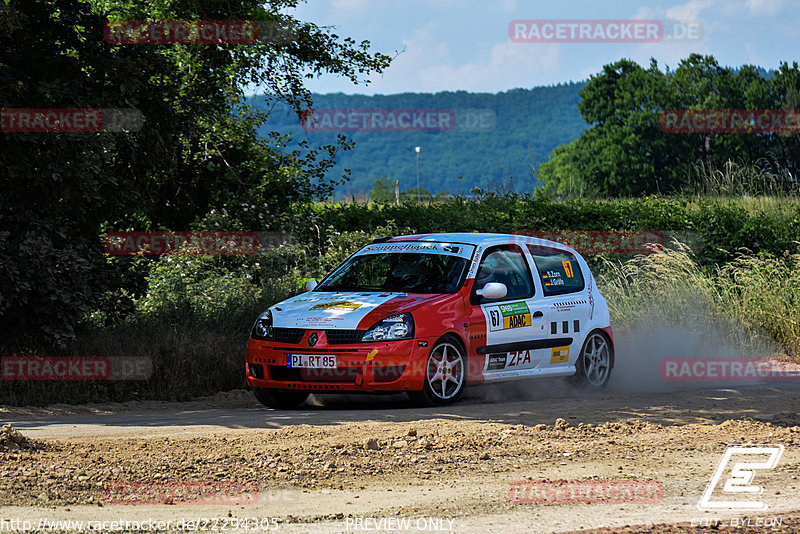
(594, 348)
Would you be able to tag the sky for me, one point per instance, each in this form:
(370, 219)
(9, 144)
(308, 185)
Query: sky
(451, 45)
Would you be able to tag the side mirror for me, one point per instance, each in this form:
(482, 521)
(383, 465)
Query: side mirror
(493, 290)
(310, 285)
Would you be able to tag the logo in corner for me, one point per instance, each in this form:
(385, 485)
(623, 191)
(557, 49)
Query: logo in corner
(739, 481)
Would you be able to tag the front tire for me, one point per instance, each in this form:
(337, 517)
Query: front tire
(593, 367)
(279, 399)
(445, 374)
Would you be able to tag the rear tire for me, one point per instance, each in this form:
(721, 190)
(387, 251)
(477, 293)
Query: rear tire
(280, 399)
(445, 374)
(594, 364)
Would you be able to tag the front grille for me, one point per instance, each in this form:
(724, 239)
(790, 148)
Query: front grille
(344, 337)
(288, 335)
(288, 374)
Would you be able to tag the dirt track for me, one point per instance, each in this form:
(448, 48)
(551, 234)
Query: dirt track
(439, 469)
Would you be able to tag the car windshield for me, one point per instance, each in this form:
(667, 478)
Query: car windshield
(398, 272)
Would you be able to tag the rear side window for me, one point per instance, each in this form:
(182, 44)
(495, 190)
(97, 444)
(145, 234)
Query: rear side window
(558, 270)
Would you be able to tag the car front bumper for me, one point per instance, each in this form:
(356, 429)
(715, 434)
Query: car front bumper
(360, 367)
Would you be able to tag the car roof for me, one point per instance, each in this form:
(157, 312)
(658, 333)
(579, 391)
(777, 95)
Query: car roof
(481, 239)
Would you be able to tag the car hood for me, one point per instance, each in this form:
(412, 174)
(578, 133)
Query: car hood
(343, 310)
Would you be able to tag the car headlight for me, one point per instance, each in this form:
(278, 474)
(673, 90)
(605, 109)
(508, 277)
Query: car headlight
(399, 326)
(263, 327)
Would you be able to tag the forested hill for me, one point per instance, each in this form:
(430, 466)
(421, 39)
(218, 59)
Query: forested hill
(480, 139)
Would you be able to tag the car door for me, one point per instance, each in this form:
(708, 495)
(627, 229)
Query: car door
(565, 298)
(513, 323)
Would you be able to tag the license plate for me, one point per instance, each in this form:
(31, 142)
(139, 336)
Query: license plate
(311, 361)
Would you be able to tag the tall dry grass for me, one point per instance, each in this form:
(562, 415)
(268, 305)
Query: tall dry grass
(749, 301)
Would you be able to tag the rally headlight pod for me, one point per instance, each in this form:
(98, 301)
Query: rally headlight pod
(263, 327)
(400, 326)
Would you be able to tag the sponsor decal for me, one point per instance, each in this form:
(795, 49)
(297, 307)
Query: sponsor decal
(336, 306)
(559, 355)
(463, 251)
(515, 315)
(585, 492)
(329, 310)
(473, 268)
(519, 358)
(495, 362)
(506, 316)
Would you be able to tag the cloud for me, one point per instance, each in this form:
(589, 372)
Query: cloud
(506, 65)
(428, 65)
(688, 11)
(764, 7)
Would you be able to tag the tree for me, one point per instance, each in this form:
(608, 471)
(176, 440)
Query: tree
(383, 190)
(197, 150)
(625, 151)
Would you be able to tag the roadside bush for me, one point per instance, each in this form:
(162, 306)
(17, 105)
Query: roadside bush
(748, 302)
(765, 291)
(191, 314)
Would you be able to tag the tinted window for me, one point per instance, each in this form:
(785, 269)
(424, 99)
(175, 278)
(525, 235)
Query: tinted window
(507, 265)
(558, 270)
(397, 272)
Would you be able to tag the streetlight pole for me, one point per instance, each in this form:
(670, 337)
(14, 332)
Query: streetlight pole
(417, 150)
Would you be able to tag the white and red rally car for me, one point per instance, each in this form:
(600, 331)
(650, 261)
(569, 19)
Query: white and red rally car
(431, 314)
